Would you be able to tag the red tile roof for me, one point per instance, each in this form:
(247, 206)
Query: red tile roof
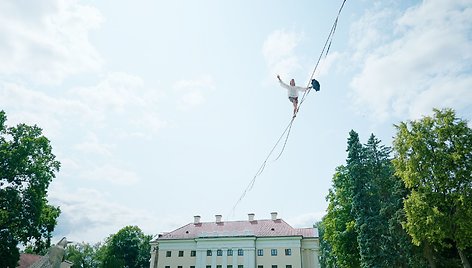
(258, 228)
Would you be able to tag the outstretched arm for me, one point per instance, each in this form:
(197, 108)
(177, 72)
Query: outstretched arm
(301, 88)
(282, 84)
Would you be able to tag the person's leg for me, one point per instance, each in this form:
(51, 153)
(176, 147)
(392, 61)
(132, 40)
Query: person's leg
(295, 105)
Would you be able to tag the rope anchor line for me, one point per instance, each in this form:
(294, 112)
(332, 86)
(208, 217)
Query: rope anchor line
(287, 130)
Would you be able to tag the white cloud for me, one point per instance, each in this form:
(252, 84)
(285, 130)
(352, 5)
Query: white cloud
(89, 215)
(112, 174)
(33, 107)
(47, 41)
(423, 64)
(306, 220)
(92, 145)
(326, 63)
(114, 93)
(122, 100)
(279, 52)
(193, 92)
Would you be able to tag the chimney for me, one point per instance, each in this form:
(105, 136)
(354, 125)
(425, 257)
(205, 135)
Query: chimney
(251, 216)
(218, 218)
(273, 215)
(196, 219)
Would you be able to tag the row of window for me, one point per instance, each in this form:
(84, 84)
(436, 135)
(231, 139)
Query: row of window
(239, 266)
(193, 253)
(229, 252)
(273, 252)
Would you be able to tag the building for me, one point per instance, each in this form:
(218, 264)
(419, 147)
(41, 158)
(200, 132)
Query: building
(236, 244)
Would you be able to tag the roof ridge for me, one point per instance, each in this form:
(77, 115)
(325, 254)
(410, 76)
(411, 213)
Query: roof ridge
(178, 228)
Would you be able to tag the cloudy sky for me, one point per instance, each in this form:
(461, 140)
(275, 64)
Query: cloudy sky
(162, 110)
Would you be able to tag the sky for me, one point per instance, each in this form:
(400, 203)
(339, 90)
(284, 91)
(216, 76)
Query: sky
(162, 110)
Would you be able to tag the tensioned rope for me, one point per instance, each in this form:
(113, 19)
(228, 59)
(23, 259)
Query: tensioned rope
(289, 126)
(328, 40)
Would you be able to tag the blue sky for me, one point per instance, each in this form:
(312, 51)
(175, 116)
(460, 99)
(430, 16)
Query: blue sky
(162, 110)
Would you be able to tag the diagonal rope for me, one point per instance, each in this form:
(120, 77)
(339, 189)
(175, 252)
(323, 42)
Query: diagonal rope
(287, 130)
(328, 42)
(262, 167)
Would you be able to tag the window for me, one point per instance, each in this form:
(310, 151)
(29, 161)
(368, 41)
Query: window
(273, 252)
(240, 253)
(260, 252)
(191, 266)
(167, 266)
(179, 266)
(288, 266)
(209, 253)
(288, 251)
(193, 253)
(181, 253)
(168, 253)
(219, 252)
(218, 266)
(240, 266)
(260, 266)
(208, 266)
(230, 253)
(229, 266)
(274, 266)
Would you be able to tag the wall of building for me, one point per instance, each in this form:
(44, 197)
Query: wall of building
(303, 253)
(310, 253)
(280, 244)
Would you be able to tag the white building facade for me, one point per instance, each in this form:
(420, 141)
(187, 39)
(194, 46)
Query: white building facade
(237, 244)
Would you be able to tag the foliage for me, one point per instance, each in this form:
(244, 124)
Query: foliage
(363, 170)
(362, 227)
(129, 248)
(433, 157)
(83, 255)
(27, 166)
(338, 242)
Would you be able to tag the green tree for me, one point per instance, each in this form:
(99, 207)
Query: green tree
(27, 166)
(397, 243)
(387, 191)
(338, 243)
(433, 157)
(129, 248)
(377, 207)
(326, 252)
(361, 165)
(83, 255)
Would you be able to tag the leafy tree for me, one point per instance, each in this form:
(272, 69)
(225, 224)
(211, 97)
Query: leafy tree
(27, 166)
(325, 257)
(433, 157)
(83, 255)
(338, 243)
(129, 248)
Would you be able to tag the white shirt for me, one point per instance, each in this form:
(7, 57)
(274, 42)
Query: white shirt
(292, 90)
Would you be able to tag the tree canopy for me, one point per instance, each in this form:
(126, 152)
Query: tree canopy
(362, 227)
(129, 248)
(27, 166)
(433, 157)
